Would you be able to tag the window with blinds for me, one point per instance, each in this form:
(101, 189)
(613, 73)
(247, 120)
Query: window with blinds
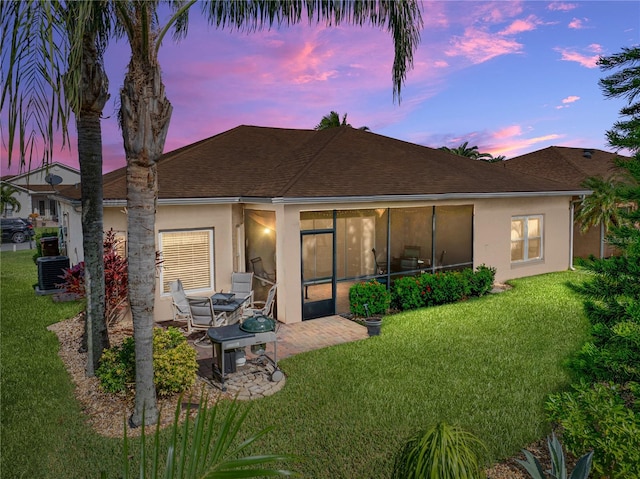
(187, 256)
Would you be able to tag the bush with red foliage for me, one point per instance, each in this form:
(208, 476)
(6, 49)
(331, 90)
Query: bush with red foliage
(116, 280)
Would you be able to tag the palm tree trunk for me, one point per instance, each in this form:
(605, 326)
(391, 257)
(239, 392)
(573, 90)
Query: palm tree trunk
(145, 115)
(94, 95)
(90, 152)
(142, 190)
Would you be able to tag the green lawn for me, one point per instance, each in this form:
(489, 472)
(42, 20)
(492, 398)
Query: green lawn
(486, 365)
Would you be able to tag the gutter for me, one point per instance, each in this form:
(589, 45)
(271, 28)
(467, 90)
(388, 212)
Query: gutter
(350, 199)
(423, 197)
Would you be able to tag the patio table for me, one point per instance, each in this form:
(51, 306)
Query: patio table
(226, 302)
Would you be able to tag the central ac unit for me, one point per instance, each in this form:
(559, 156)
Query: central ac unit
(50, 270)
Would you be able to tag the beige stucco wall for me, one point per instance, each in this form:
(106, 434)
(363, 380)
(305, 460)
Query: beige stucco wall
(218, 217)
(71, 222)
(224, 219)
(492, 236)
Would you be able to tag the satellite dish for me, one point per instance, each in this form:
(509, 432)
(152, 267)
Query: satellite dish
(53, 180)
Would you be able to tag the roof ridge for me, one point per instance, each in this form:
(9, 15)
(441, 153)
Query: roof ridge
(305, 150)
(567, 160)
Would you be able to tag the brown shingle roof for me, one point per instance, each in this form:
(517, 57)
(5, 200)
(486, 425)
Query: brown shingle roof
(568, 165)
(251, 161)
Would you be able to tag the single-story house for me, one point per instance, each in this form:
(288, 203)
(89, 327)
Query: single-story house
(572, 166)
(36, 195)
(317, 211)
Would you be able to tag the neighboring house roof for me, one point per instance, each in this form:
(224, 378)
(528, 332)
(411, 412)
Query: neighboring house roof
(275, 163)
(568, 165)
(17, 187)
(42, 189)
(45, 168)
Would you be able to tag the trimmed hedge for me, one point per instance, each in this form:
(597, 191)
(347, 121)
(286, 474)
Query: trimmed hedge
(413, 292)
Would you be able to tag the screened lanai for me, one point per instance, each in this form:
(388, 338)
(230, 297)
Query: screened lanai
(341, 247)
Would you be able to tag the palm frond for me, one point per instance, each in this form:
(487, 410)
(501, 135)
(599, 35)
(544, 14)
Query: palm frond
(34, 57)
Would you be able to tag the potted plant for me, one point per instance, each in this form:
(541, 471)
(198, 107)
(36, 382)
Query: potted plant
(370, 300)
(373, 323)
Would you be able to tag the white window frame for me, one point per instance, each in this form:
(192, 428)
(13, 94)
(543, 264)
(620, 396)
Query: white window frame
(525, 219)
(210, 233)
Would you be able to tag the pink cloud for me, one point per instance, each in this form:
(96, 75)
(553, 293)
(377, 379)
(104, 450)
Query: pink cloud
(508, 132)
(588, 61)
(480, 46)
(561, 6)
(518, 147)
(571, 99)
(519, 26)
(493, 12)
(576, 24)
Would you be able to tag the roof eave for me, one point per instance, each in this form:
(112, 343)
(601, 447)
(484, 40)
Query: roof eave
(351, 199)
(428, 197)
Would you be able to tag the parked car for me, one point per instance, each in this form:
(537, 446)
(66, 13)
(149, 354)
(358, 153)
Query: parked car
(16, 230)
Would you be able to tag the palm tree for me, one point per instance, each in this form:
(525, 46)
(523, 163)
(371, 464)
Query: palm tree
(145, 114)
(464, 150)
(7, 199)
(46, 39)
(332, 120)
(601, 208)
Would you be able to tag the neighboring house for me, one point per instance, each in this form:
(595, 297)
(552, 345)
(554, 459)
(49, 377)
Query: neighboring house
(571, 166)
(310, 206)
(36, 195)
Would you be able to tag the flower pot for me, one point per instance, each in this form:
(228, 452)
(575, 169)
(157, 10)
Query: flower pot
(373, 326)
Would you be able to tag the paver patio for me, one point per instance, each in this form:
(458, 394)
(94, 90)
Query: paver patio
(249, 382)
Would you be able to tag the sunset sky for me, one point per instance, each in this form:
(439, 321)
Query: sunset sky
(509, 77)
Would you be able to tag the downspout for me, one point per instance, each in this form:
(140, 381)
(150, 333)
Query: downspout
(601, 239)
(572, 210)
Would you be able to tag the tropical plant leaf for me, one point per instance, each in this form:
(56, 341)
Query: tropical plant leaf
(532, 465)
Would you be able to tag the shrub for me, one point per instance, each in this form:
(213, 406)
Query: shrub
(174, 364)
(481, 280)
(116, 280)
(117, 367)
(605, 418)
(614, 355)
(372, 294)
(408, 292)
(412, 292)
(441, 452)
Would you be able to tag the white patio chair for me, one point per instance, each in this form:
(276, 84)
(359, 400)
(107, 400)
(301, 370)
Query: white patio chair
(266, 307)
(203, 317)
(196, 312)
(180, 305)
(242, 288)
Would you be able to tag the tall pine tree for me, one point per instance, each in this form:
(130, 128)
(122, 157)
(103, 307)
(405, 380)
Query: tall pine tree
(612, 294)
